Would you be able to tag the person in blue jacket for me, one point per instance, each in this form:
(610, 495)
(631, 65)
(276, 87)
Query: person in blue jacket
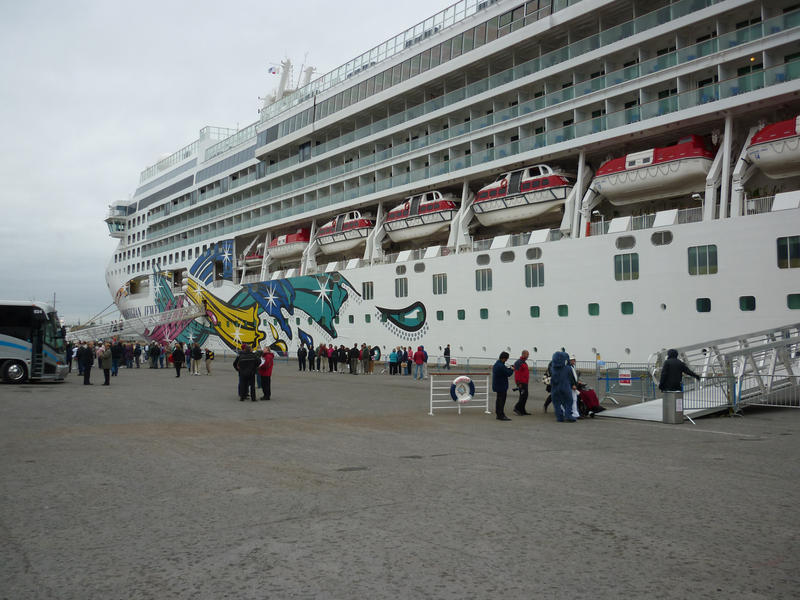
(500, 375)
(562, 383)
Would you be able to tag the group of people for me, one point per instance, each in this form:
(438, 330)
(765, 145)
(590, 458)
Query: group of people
(355, 360)
(405, 361)
(254, 369)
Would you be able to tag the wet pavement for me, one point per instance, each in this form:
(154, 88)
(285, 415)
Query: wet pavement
(343, 487)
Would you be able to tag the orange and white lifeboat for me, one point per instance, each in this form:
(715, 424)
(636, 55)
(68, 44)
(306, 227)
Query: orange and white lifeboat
(521, 195)
(657, 173)
(343, 233)
(290, 245)
(420, 216)
(775, 149)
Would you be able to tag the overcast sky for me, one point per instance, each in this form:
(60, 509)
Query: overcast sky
(95, 91)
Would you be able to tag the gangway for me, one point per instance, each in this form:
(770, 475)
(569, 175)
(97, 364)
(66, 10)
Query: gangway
(137, 325)
(759, 368)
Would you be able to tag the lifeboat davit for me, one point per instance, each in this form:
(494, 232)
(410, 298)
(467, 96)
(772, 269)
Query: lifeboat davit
(345, 232)
(776, 149)
(521, 195)
(290, 245)
(657, 173)
(420, 216)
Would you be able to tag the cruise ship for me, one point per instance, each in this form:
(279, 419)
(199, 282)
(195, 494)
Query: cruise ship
(611, 177)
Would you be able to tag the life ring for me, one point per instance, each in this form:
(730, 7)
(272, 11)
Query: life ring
(462, 389)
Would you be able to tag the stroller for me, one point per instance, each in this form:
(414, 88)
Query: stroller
(588, 404)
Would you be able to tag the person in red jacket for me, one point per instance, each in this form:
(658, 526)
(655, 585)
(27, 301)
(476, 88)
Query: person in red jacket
(265, 372)
(521, 378)
(419, 360)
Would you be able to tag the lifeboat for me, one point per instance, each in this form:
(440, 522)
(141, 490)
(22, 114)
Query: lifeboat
(420, 216)
(255, 257)
(345, 232)
(521, 195)
(775, 149)
(290, 245)
(652, 174)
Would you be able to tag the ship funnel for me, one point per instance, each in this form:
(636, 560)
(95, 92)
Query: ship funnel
(307, 73)
(286, 70)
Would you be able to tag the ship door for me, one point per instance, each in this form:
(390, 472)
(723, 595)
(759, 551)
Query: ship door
(513, 185)
(339, 223)
(414, 208)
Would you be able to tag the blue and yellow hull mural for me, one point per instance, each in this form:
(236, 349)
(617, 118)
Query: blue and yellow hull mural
(260, 314)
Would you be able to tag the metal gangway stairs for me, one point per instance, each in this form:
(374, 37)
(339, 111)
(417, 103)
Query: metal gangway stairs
(761, 368)
(135, 326)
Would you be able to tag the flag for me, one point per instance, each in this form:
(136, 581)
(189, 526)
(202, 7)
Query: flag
(273, 70)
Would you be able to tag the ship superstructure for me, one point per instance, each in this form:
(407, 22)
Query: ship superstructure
(593, 164)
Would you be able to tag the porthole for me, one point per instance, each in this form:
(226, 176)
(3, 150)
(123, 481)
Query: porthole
(400, 269)
(533, 253)
(419, 267)
(483, 259)
(625, 242)
(661, 238)
(507, 256)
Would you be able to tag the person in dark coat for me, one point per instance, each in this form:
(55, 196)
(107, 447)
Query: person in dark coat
(246, 364)
(86, 361)
(500, 375)
(137, 353)
(117, 356)
(107, 363)
(672, 373)
(197, 356)
(311, 356)
(562, 383)
(301, 357)
(178, 356)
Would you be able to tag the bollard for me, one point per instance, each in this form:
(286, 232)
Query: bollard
(672, 408)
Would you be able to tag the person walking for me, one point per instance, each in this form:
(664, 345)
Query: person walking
(672, 373)
(447, 357)
(500, 375)
(86, 361)
(522, 378)
(246, 364)
(178, 356)
(209, 359)
(561, 385)
(265, 373)
(107, 363)
(197, 356)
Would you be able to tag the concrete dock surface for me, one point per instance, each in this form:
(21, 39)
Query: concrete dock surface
(344, 487)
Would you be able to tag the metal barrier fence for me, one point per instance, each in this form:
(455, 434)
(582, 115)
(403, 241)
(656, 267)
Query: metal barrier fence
(442, 384)
(759, 390)
(629, 380)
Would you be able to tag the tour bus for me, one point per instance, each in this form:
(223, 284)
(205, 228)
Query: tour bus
(31, 343)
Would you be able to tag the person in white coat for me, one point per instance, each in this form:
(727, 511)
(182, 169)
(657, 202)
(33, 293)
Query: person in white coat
(575, 413)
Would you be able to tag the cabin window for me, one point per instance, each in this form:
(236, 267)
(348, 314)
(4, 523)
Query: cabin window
(484, 313)
(440, 315)
(594, 309)
(625, 242)
(483, 259)
(626, 266)
(793, 301)
(703, 305)
(747, 303)
(439, 283)
(626, 308)
(483, 280)
(401, 287)
(297, 321)
(461, 314)
(533, 253)
(400, 270)
(336, 320)
(367, 290)
(351, 319)
(419, 267)
(535, 312)
(703, 260)
(789, 252)
(534, 275)
(367, 318)
(661, 238)
(563, 310)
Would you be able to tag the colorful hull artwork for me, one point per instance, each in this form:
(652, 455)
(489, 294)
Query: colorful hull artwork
(258, 314)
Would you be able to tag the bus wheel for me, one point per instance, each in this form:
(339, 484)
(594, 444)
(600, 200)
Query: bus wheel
(14, 372)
